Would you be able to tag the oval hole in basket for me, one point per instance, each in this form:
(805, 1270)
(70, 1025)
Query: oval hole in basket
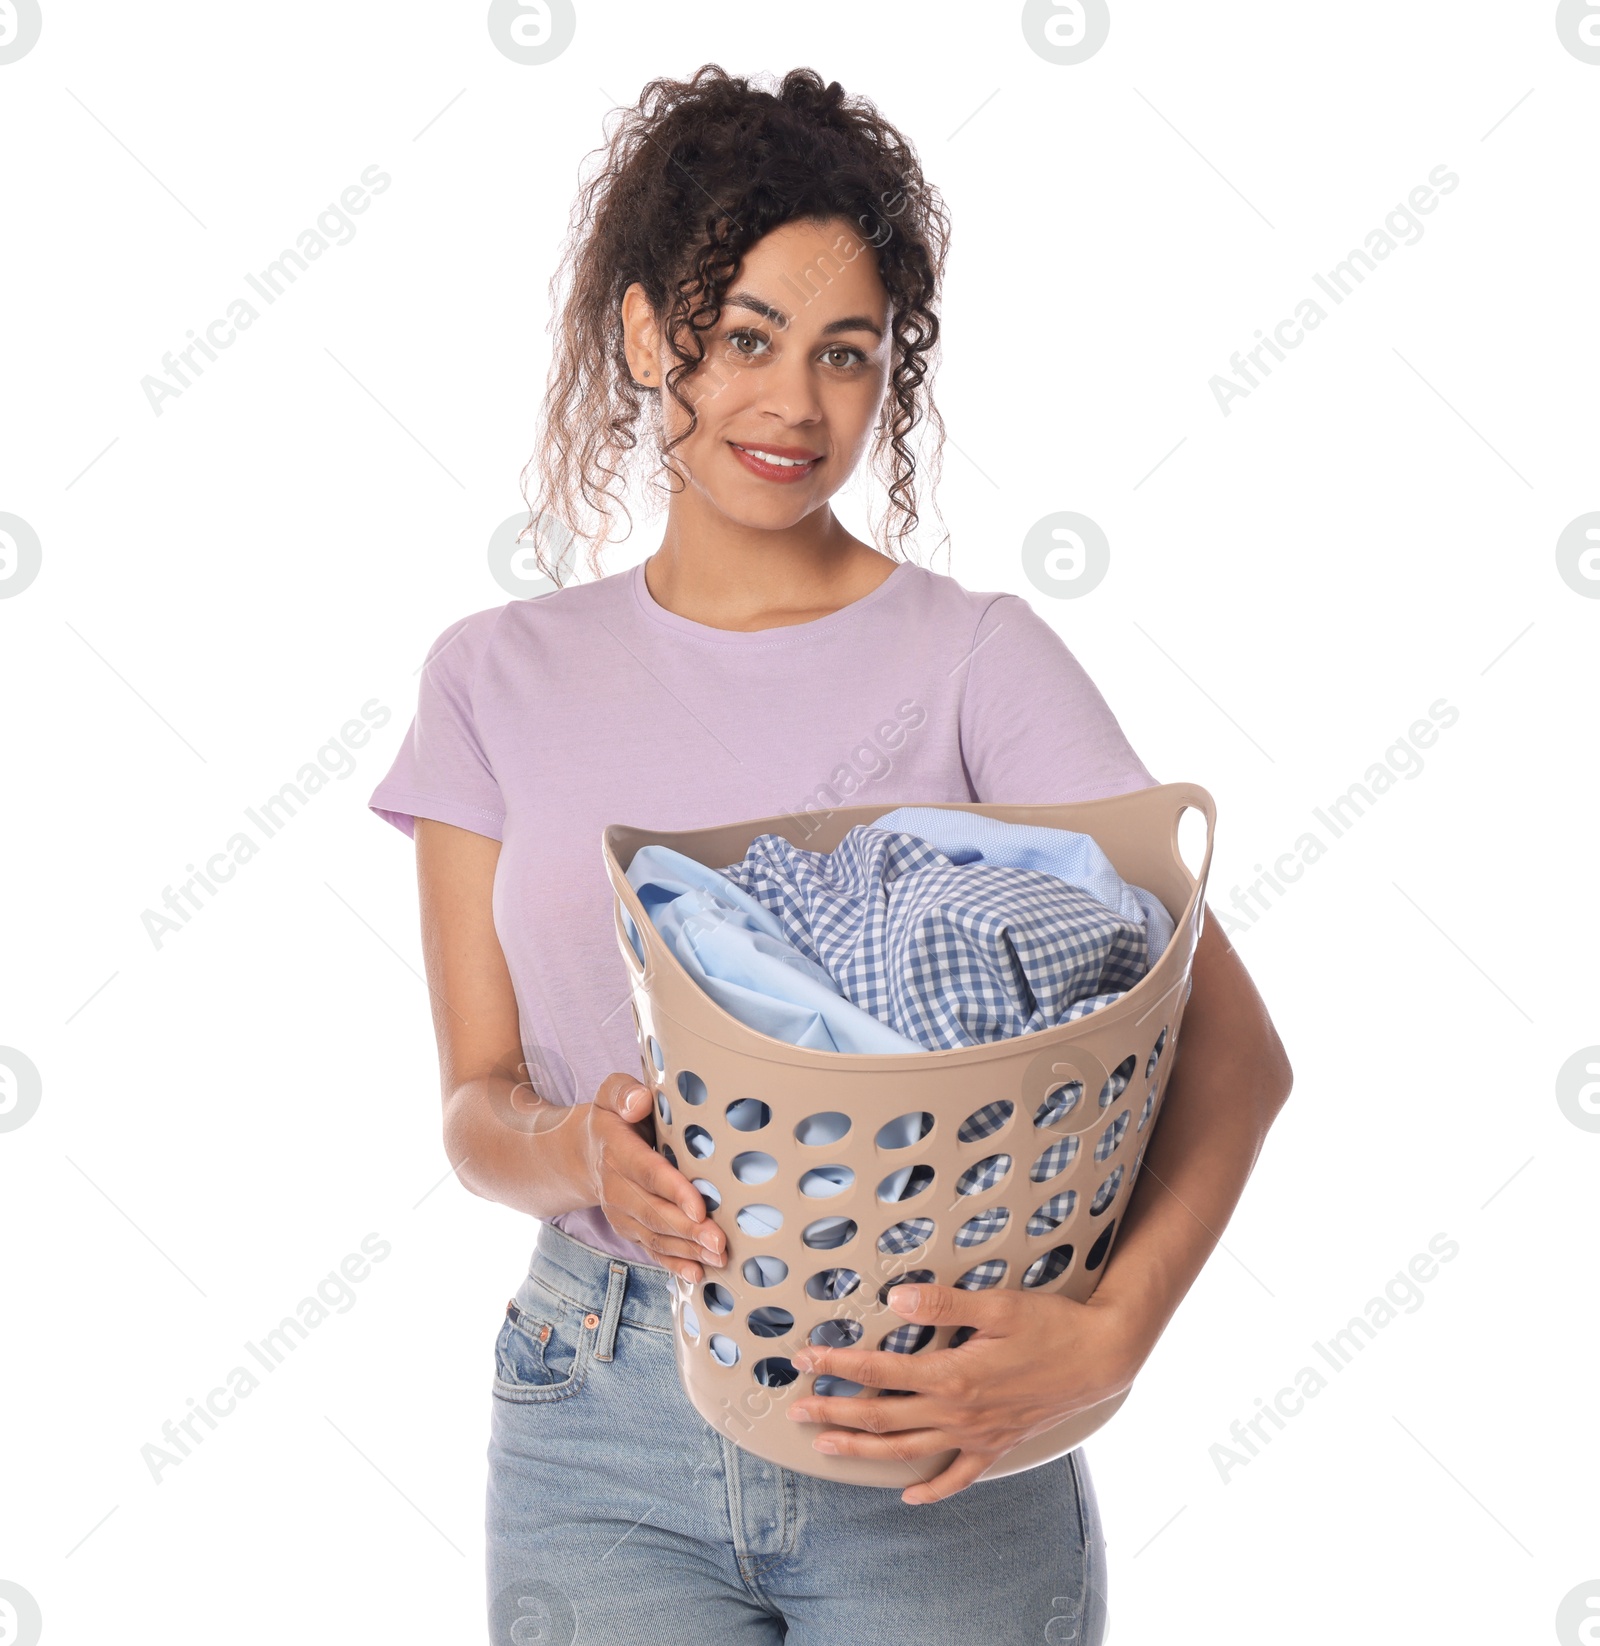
(1047, 1265)
(764, 1271)
(1111, 1137)
(912, 1277)
(710, 1192)
(770, 1321)
(819, 1129)
(907, 1339)
(1055, 1160)
(723, 1349)
(827, 1233)
(1106, 1193)
(1097, 1252)
(663, 1108)
(697, 1140)
(983, 1174)
(667, 1154)
(905, 1183)
(759, 1220)
(655, 1054)
(822, 1181)
(985, 1122)
(691, 1321)
(1117, 1081)
(754, 1166)
(904, 1130)
(906, 1236)
(835, 1334)
(775, 1372)
(1155, 1054)
(691, 1088)
(748, 1114)
(983, 1275)
(1059, 1102)
(985, 1226)
(828, 1285)
(1147, 1110)
(961, 1334)
(827, 1384)
(1055, 1211)
(719, 1300)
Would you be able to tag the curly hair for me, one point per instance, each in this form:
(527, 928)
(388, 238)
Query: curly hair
(688, 181)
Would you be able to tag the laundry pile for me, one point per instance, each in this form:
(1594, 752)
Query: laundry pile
(929, 929)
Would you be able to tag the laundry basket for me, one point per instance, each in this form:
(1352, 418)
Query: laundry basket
(1047, 1128)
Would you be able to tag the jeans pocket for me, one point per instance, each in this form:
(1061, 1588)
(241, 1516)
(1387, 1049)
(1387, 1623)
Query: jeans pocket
(542, 1352)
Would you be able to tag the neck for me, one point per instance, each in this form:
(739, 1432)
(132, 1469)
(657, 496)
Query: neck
(714, 571)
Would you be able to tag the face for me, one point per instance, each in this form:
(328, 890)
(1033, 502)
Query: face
(788, 395)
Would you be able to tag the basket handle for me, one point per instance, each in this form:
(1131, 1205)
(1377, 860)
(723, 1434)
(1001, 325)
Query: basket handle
(638, 967)
(1184, 796)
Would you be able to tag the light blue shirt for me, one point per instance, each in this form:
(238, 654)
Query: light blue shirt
(736, 951)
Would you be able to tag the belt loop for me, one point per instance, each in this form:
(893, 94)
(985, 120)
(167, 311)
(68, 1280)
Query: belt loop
(605, 1334)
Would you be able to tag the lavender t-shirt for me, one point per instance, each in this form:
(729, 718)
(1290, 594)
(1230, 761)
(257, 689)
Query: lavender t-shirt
(541, 721)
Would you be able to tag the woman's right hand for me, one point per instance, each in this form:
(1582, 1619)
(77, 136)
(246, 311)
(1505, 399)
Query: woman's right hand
(508, 1143)
(645, 1198)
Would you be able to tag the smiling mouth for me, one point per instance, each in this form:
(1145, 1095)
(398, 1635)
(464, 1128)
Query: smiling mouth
(776, 465)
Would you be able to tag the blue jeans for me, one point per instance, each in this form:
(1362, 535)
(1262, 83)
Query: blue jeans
(617, 1516)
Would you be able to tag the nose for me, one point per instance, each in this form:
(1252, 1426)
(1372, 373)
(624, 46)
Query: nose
(788, 391)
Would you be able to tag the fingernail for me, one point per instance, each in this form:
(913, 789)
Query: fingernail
(823, 1444)
(798, 1414)
(904, 1299)
(801, 1362)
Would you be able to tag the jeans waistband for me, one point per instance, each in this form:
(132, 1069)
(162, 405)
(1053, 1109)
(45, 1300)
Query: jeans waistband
(612, 1287)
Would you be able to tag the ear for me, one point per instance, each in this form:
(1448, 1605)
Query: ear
(641, 337)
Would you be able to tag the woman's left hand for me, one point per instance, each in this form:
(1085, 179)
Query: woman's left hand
(1032, 1363)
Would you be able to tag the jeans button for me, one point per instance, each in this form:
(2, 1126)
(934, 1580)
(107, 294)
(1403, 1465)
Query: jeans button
(591, 1320)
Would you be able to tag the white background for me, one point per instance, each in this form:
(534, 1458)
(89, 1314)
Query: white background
(1291, 586)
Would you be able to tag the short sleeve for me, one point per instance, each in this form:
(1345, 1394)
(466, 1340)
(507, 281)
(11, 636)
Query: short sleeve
(443, 770)
(1034, 728)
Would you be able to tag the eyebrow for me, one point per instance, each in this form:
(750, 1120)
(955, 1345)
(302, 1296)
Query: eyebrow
(749, 300)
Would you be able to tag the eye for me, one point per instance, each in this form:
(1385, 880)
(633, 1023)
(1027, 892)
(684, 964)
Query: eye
(853, 356)
(756, 337)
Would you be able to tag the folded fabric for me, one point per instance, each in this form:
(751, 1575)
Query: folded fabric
(896, 943)
(946, 954)
(737, 952)
(972, 837)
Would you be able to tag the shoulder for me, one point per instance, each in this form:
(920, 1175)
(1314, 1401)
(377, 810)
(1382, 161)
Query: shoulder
(1010, 650)
(940, 603)
(522, 629)
(942, 599)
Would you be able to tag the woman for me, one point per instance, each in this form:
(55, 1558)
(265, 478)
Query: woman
(753, 279)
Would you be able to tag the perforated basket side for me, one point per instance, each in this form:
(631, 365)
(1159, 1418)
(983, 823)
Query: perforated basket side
(1019, 1176)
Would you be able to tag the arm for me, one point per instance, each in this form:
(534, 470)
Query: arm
(506, 1142)
(1038, 1359)
(1231, 1078)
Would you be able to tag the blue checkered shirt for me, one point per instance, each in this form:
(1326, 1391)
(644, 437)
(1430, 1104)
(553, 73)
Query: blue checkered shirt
(947, 954)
